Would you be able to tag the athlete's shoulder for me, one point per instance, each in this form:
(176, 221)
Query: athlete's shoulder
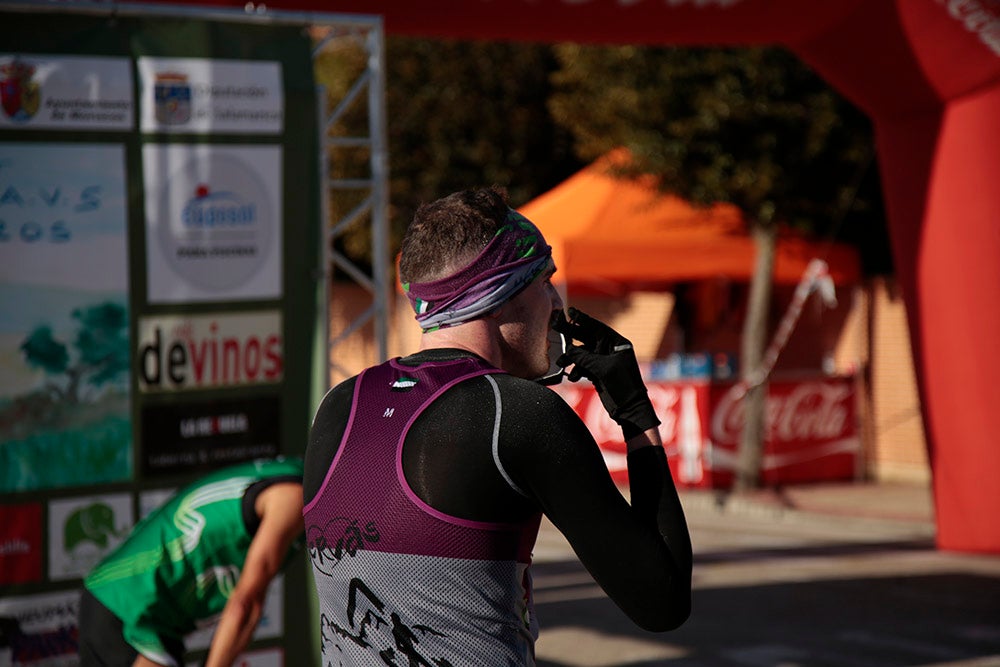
(519, 389)
(339, 394)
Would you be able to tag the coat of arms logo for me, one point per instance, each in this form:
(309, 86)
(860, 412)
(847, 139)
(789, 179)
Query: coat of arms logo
(20, 96)
(172, 93)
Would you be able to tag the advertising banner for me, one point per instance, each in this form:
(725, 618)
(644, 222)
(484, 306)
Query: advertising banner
(682, 407)
(185, 352)
(202, 95)
(20, 543)
(65, 406)
(213, 223)
(40, 630)
(812, 431)
(84, 530)
(43, 91)
(271, 623)
(153, 328)
(200, 434)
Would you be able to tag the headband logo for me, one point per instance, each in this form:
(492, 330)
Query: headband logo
(525, 246)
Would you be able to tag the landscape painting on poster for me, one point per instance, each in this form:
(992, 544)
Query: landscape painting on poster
(65, 416)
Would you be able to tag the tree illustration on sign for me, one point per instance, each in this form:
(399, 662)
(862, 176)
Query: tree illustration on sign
(100, 352)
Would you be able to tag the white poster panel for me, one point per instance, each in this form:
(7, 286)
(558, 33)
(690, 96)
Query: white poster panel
(199, 95)
(64, 335)
(84, 530)
(213, 223)
(153, 500)
(44, 92)
(269, 657)
(40, 630)
(271, 621)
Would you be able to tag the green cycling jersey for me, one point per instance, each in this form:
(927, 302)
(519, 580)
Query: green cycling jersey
(179, 565)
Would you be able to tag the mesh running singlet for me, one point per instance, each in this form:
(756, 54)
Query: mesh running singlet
(400, 582)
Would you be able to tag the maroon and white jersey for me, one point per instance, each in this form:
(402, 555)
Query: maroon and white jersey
(398, 581)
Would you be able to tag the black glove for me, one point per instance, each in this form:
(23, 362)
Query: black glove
(607, 359)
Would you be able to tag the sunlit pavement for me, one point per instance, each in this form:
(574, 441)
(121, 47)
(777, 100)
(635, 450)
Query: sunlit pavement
(846, 577)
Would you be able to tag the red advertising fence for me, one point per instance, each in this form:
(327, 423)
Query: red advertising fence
(812, 431)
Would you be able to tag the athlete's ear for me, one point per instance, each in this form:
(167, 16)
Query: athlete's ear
(498, 312)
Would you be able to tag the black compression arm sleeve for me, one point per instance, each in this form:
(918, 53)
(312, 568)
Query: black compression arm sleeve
(639, 553)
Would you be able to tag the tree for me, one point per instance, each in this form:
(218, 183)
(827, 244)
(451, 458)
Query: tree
(466, 113)
(750, 126)
(101, 346)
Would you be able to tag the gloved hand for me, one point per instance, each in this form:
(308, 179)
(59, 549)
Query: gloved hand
(607, 359)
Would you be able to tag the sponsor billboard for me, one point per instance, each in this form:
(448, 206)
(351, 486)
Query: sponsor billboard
(20, 543)
(40, 630)
(152, 327)
(203, 95)
(202, 434)
(271, 621)
(185, 352)
(84, 530)
(42, 91)
(812, 431)
(65, 404)
(213, 223)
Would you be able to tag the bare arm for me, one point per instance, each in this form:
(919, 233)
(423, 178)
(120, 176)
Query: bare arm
(143, 661)
(280, 509)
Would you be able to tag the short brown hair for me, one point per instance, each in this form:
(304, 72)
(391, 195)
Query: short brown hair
(449, 232)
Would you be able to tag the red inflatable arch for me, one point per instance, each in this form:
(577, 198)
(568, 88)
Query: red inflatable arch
(928, 74)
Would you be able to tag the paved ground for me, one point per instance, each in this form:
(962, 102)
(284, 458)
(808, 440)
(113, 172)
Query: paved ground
(841, 575)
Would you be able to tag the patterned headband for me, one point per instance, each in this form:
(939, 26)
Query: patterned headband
(512, 259)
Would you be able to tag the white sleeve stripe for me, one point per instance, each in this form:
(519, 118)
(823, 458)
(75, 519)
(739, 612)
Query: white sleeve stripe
(496, 438)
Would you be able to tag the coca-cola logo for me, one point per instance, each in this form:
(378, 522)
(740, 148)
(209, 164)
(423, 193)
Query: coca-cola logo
(980, 17)
(665, 402)
(809, 411)
(586, 403)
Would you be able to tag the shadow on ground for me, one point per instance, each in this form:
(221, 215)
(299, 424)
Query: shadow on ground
(835, 619)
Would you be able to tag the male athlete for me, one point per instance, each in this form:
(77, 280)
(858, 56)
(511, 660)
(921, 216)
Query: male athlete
(212, 549)
(426, 476)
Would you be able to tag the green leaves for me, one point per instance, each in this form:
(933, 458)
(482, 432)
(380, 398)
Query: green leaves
(751, 126)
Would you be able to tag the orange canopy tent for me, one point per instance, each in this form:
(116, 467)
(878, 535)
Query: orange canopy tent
(606, 229)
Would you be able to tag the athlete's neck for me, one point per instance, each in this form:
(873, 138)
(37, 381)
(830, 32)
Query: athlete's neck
(478, 337)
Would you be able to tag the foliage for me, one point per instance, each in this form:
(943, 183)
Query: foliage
(94, 451)
(102, 341)
(469, 113)
(42, 350)
(750, 126)
(101, 350)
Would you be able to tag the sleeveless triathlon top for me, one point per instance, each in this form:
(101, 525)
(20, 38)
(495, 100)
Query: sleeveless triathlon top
(179, 564)
(399, 582)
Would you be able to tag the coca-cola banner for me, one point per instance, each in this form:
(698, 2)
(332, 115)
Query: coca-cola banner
(811, 434)
(811, 431)
(682, 407)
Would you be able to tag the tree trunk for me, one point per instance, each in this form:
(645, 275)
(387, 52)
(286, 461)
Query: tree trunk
(754, 342)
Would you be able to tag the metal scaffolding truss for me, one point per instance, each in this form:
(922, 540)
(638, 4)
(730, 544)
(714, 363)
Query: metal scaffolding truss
(370, 192)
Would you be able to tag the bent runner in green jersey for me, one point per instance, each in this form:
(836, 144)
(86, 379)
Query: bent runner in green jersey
(208, 553)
